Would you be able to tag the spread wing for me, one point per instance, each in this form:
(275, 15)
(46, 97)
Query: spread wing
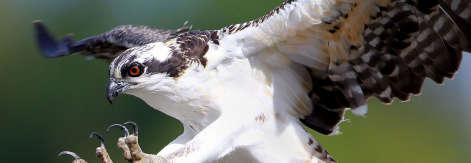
(356, 49)
(106, 45)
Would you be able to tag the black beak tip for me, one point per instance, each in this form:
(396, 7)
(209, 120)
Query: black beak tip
(113, 90)
(110, 97)
(110, 100)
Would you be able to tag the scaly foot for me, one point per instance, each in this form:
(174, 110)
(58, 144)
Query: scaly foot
(129, 143)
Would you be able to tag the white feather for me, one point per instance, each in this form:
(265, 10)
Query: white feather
(253, 90)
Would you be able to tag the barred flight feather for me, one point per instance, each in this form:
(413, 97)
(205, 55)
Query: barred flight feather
(402, 43)
(403, 46)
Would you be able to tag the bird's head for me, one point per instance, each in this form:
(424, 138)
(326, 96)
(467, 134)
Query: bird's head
(144, 60)
(152, 67)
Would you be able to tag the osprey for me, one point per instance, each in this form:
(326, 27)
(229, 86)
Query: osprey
(246, 90)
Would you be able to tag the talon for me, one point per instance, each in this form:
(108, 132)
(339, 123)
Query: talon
(69, 153)
(99, 137)
(126, 131)
(76, 157)
(134, 126)
(101, 151)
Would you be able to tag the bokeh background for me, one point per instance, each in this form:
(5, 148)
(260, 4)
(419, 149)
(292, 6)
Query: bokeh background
(51, 105)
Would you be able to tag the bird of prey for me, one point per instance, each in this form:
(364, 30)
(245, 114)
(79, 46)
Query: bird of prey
(246, 90)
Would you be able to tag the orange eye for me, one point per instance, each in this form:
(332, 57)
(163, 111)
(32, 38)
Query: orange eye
(135, 71)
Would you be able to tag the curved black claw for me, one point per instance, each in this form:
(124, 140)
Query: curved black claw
(126, 131)
(97, 136)
(69, 153)
(134, 126)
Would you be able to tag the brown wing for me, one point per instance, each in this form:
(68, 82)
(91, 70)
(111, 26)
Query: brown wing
(106, 45)
(404, 43)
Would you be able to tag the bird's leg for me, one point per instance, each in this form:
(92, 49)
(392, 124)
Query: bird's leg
(129, 143)
(210, 144)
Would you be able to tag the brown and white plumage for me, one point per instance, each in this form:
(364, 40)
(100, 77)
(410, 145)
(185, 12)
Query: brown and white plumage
(248, 86)
(360, 49)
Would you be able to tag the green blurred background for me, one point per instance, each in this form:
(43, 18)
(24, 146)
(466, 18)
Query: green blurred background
(51, 105)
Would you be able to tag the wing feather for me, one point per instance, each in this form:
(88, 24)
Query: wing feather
(356, 49)
(106, 45)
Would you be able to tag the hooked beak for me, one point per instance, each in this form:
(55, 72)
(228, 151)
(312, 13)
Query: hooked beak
(114, 89)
